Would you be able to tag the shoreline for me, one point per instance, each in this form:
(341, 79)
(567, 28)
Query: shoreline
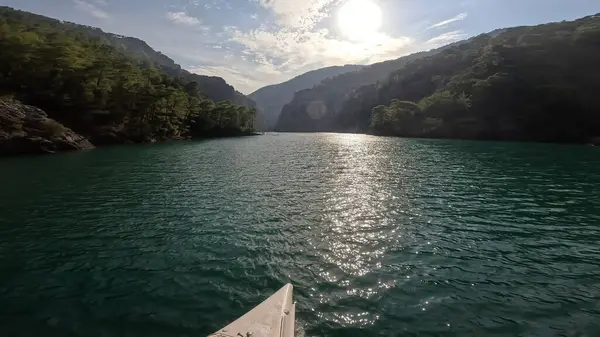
(163, 141)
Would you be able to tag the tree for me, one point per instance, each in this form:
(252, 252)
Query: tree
(84, 82)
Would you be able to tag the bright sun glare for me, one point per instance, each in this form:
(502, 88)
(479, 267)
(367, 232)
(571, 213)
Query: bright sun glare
(359, 20)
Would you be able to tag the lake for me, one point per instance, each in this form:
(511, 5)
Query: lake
(380, 237)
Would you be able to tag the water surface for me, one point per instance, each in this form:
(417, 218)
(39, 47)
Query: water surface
(380, 236)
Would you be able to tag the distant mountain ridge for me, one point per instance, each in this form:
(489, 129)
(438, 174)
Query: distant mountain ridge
(271, 99)
(527, 83)
(314, 109)
(329, 95)
(214, 88)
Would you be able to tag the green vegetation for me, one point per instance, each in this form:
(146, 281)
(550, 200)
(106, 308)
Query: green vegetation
(271, 99)
(102, 93)
(526, 83)
(212, 87)
(331, 93)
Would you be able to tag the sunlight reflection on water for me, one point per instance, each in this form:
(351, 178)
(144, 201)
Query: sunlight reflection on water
(359, 229)
(378, 235)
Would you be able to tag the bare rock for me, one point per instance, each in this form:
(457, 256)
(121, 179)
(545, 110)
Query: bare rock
(28, 130)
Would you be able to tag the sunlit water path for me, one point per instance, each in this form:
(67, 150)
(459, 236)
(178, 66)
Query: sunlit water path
(380, 236)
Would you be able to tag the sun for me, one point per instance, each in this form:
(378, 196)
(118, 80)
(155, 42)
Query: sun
(359, 20)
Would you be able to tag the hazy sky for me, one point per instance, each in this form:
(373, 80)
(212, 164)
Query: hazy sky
(252, 43)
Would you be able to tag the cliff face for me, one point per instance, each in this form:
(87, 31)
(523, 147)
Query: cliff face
(28, 130)
(271, 99)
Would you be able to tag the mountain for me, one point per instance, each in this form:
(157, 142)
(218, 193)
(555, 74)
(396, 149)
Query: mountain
(310, 108)
(535, 83)
(271, 99)
(214, 88)
(75, 86)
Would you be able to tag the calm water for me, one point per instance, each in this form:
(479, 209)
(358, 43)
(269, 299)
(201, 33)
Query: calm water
(380, 236)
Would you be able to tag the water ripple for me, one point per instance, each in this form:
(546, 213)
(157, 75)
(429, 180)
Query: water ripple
(380, 236)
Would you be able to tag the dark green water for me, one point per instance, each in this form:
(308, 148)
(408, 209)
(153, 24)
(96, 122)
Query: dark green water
(380, 236)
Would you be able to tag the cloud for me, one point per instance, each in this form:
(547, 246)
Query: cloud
(297, 43)
(181, 18)
(302, 38)
(459, 17)
(447, 38)
(299, 13)
(289, 49)
(91, 9)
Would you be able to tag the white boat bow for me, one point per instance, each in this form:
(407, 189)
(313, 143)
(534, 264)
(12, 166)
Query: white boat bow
(275, 317)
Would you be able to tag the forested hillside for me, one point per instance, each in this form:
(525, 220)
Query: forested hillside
(312, 109)
(214, 88)
(100, 92)
(271, 99)
(526, 83)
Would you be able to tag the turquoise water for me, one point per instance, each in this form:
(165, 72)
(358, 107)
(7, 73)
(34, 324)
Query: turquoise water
(380, 236)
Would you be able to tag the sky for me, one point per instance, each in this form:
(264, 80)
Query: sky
(253, 43)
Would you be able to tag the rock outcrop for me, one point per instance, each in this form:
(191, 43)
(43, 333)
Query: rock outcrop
(28, 130)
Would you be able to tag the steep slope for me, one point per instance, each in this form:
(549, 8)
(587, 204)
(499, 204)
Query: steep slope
(534, 83)
(312, 109)
(98, 91)
(214, 88)
(271, 99)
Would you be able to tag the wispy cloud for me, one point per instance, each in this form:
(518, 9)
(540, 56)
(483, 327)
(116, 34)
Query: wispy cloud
(297, 36)
(447, 38)
(298, 43)
(459, 17)
(91, 9)
(299, 13)
(182, 18)
(287, 49)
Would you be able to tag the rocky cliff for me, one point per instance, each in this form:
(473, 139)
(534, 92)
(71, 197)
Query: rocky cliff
(28, 130)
